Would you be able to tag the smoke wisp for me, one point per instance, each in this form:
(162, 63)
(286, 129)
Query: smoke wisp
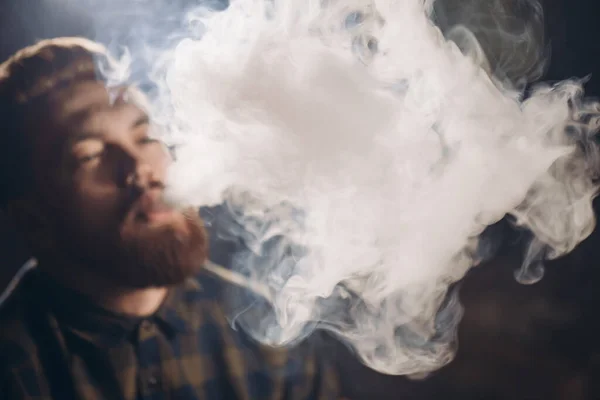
(360, 154)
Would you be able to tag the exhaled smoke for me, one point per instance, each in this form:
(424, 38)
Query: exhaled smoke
(509, 35)
(360, 155)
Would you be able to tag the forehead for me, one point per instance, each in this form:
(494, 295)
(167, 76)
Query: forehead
(83, 101)
(78, 98)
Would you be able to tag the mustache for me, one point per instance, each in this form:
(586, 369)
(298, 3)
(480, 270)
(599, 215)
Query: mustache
(144, 199)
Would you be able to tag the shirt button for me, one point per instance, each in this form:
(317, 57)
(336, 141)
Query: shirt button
(153, 382)
(146, 326)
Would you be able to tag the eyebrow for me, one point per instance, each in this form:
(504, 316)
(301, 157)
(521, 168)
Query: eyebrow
(143, 119)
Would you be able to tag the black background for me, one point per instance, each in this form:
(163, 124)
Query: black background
(516, 342)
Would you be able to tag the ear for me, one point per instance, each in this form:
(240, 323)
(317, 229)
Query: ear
(30, 219)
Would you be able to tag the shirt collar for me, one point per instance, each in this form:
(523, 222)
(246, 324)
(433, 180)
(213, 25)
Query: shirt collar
(92, 323)
(178, 314)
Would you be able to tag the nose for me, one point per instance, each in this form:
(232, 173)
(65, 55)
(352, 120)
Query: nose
(135, 170)
(143, 177)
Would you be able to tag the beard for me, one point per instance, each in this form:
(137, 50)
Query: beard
(126, 251)
(159, 256)
(136, 255)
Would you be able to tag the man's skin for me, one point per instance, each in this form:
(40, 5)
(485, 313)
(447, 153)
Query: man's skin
(99, 176)
(124, 302)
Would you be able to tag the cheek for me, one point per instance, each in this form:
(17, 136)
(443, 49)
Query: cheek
(94, 205)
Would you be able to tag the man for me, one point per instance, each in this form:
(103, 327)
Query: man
(121, 305)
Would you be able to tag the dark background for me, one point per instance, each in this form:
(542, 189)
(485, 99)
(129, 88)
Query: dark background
(516, 342)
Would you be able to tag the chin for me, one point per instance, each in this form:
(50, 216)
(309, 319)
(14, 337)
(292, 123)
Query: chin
(162, 252)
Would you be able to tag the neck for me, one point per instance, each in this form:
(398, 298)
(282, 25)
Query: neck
(104, 293)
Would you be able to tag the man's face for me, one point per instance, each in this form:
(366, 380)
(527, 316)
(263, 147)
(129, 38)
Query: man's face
(101, 175)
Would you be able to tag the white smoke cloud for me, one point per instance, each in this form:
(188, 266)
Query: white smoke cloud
(360, 155)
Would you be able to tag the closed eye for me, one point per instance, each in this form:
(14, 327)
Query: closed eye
(147, 140)
(89, 158)
(87, 150)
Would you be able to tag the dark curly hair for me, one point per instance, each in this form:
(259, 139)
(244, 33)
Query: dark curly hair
(26, 79)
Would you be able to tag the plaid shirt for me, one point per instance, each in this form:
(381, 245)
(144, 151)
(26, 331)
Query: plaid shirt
(54, 344)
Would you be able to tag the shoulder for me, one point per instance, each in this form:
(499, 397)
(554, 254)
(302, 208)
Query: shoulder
(16, 342)
(20, 370)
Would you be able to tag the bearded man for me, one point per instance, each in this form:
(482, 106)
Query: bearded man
(120, 305)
